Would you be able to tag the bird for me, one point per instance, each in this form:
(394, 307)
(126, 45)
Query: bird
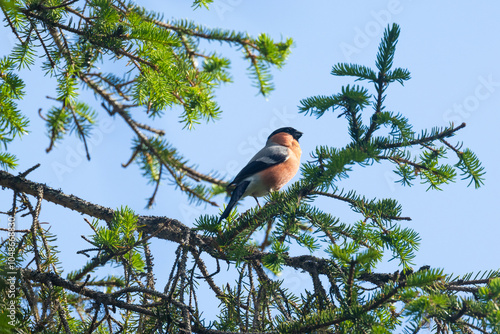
(269, 170)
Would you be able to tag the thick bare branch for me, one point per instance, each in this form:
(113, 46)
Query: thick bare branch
(99, 297)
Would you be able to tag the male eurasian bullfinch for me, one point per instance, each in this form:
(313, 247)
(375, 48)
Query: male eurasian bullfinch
(270, 169)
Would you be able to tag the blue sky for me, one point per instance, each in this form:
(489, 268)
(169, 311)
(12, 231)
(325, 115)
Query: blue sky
(451, 48)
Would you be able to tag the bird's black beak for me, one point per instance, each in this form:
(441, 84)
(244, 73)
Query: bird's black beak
(297, 135)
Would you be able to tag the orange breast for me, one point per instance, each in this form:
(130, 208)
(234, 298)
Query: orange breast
(280, 174)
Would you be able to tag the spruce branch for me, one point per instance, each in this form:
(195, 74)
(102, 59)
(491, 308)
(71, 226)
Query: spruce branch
(81, 131)
(78, 32)
(380, 86)
(387, 48)
(425, 139)
(354, 203)
(400, 160)
(354, 70)
(47, 53)
(173, 229)
(159, 132)
(99, 297)
(11, 25)
(64, 4)
(120, 109)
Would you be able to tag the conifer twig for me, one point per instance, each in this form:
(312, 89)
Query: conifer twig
(444, 134)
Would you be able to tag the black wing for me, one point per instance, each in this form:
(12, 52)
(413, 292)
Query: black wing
(265, 158)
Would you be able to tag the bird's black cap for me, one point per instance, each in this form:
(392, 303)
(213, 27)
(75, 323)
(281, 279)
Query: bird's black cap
(295, 133)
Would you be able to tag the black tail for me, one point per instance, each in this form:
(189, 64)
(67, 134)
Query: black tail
(235, 197)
